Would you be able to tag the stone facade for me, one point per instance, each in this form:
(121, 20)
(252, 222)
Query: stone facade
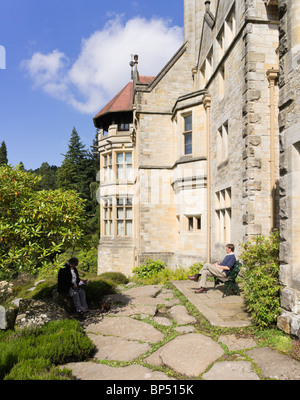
(227, 81)
(215, 159)
(289, 185)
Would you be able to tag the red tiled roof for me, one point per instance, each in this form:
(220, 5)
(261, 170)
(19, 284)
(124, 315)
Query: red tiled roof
(123, 100)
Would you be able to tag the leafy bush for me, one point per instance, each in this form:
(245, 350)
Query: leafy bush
(116, 277)
(96, 290)
(262, 290)
(166, 274)
(35, 225)
(58, 342)
(195, 268)
(149, 269)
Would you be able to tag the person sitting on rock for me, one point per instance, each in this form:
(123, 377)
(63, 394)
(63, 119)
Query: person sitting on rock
(217, 270)
(69, 284)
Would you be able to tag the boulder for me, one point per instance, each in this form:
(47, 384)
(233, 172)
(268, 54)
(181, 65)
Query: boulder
(64, 301)
(33, 313)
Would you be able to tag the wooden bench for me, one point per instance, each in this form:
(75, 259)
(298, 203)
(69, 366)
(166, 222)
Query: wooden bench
(229, 281)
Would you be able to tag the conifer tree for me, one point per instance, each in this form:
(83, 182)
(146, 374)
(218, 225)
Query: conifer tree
(3, 154)
(69, 174)
(78, 171)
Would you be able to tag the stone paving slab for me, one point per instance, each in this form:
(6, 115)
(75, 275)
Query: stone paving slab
(127, 328)
(119, 337)
(130, 310)
(180, 315)
(234, 344)
(275, 365)
(231, 370)
(224, 312)
(188, 354)
(98, 372)
(118, 349)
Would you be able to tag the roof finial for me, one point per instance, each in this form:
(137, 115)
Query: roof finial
(207, 5)
(132, 65)
(134, 70)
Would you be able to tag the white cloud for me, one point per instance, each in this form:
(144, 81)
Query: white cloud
(102, 67)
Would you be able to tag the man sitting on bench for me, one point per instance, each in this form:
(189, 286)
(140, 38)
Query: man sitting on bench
(218, 270)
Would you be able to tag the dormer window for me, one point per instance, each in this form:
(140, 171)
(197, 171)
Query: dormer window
(123, 127)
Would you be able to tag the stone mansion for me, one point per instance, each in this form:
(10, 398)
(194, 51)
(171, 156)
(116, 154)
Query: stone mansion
(208, 151)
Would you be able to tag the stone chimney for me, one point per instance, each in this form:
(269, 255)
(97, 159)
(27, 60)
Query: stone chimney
(194, 11)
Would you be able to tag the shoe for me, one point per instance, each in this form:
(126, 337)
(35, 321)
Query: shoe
(201, 290)
(81, 312)
(194, 277)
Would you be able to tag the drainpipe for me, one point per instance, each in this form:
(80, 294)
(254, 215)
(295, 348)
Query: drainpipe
(207, 104)
(272, 75)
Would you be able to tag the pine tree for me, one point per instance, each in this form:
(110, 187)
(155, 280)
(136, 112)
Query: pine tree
(78, 171)
(69, 174)
(3, 154)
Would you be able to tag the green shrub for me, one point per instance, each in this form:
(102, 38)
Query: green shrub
(43, 291)
(295, 351)
(37, 369)
(8, 358)
(96, 289)
(261, 286)
(116, 277)
(195, 268)
(58, 342)
(149, 269)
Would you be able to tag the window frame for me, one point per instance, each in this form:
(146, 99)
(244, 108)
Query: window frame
(125, 206)
(223, 211)
(187, 134)
(194, 223)
(124, 164)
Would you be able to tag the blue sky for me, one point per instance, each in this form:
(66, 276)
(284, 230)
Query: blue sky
(65, 59)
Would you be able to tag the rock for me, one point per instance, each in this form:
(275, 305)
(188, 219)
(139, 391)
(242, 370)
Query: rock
(93, 371)
(127, 328)
(130, 310)
(188, 354)
(34, 313)
(233, 343)
(16, 302)
(5, 290)
(162, 321)
(143, 291)
(64, 301)
(39, 282)
(116, 348)
(181, 316)
(185, 329)
(2, 318)
(231, 370)
(11, 315)
(275, 365)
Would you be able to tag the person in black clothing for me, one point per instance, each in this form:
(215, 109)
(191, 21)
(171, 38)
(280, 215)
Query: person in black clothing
(69, 284)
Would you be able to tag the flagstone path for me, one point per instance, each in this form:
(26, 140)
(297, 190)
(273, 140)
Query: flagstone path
(148, 335)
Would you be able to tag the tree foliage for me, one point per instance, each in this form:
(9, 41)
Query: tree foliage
(78, 171)
(48, 176)
(3, 154)
(35, 225)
